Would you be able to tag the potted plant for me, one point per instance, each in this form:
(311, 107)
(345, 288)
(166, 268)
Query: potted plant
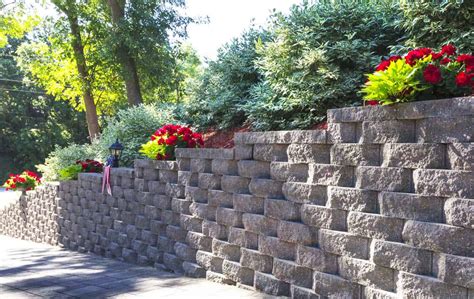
(27, 180)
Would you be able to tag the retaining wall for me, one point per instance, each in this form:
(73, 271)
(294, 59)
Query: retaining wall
(381, 205)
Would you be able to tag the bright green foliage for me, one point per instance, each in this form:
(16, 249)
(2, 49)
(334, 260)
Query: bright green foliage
(431, 23)
(225, 84)
(317, 59)
(70, 172)
(398, 83)
(14, 23)
(133, 127)
(152, 149)
(63, 157)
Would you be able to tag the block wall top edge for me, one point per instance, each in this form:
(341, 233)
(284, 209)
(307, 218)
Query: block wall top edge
(281, 137)
(90, 177)
(205, 153)
(155, 164)
(452, 107)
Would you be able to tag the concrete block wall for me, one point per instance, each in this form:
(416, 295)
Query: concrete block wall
(380, 205)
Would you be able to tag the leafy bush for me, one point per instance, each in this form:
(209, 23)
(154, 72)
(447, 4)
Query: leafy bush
(317, 59)
(434, 23)
(133, 127)
(70, 173)
(225, 84)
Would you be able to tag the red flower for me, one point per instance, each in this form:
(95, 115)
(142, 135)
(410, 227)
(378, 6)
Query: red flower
(384, 64)
(432, 74)
(436, 56)
(171, 140)
(445, 61)
(448, 50)
(463, 79)
(416, 54)
(467, 59)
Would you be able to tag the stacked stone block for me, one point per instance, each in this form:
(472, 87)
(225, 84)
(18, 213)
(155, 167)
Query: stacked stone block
(380, 205)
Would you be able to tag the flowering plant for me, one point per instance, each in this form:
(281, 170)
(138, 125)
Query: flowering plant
(27, 180)
(91, 165)
(163, 142)
(421, 74)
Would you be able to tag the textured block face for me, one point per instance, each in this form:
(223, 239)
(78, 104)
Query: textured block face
(219, 198)
(227, 167)
(460, 212)
(226, 250)
(294, 232)
(323, 217)
(270, 285)
(461, 156)
(401, 257)
(243, 152)
(266, 188)
(316, 259)
(375, 226)
(229, 217)
(455, 269)
(209, 181)
(439, 238)
(414, 155)
(284, 171)
(417, 286)
(444, 182)
(243, 238)
(209, 261)
(260, 224)
(275, 247)
(305, 193)
(351, 199)
(248, 203)
(237, 273)
(282, 209)
(411, 206)
(445, 130)
(390, 131)
(341, 133)
(292, 273)
(214, 230)
(343, 243)
(270, 153)
(255, 260)
(355, 154)
(334, 286)
(308, 153)
(331, 175)
(254, 169)
(367, 273)
(235, 184)
(383, 179)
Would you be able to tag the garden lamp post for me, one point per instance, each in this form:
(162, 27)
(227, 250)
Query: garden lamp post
(116, 151)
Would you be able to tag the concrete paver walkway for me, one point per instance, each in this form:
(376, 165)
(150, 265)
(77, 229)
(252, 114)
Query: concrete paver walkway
(31, 270)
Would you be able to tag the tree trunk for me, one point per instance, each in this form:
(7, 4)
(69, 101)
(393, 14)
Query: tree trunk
(67, 7)
(129, 68)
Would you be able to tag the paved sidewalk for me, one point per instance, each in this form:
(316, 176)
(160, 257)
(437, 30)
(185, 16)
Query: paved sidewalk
(31, 270)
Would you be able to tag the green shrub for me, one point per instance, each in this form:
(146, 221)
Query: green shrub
(317, 59)
(70, 173)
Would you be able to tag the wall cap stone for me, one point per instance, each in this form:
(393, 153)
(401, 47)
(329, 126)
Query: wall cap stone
(281, 137)
(155, 164)
(205, 153)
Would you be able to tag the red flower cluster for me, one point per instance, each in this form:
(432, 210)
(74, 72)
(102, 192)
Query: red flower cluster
(27, 180)
(91, 166)
(385, 63)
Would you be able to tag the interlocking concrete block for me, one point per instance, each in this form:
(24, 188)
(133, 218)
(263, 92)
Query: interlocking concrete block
(276, 248)
(190, 223)
(308, 153)
(199, 241)
(366, 273)
(225, 250)
(351, 199)
(323, 217)
(235, 184)
(369, 292)
(180, 206)
(281, 137)
(214, 230)
(401, 257)
(454, 269)
(384, 179)
(418, 286)
(260, 224)
(355, 154)
(196, 194)
(316, 259)
(305, 193)
(270, 152)
(203, 211)
(209, 181)
(185, 252)
(342, 132)
(173, 262)
(243, 152)
(209, 261)
(237, 273)
(445, 129)
(176, 233)
(343, 243)
(184, 164)
(331, 175)
(205, 153)
(170, 218)
(460, 212)
(253, 169)
(334, 286)
(243, 238)
(155, 187)
(193, 270)
(439, 237)
(248, 203)
(162, 202)
(295, 232)
(284, 171)
(292, 273)
(269, 284)
(255, 260)
(282, 209)
(229, 217)
(227, 167)
(150, 174)
(461, 156)
(219, 198)
(375, 226)
(218, 278)
(168, 176)
(414, 155)
(450, 183)
(201, 165)
(411, 206)
(188, 178)
(389, 131)
(266, 188)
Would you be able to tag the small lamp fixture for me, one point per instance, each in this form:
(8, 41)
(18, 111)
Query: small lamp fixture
(116, 151)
